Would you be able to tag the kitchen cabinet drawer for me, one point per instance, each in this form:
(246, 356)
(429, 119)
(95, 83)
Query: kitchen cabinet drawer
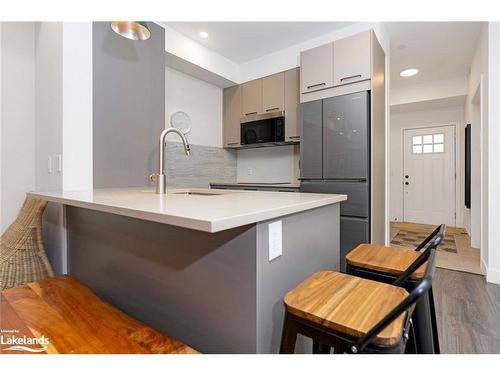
(251, 93)
(352, 59)
(232, 116)
(316, 68)
(273, 93)
(292, 125)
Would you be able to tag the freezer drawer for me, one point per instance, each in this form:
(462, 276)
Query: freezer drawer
(353, 231)
(346, 134)
(358, 195)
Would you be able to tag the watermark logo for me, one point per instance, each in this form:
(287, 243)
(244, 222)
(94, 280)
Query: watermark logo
(15, 342)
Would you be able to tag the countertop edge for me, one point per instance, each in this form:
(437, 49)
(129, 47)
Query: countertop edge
(210, 226)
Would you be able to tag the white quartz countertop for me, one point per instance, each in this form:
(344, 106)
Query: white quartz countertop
(209, 213)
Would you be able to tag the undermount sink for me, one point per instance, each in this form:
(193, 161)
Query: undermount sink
(196, 193)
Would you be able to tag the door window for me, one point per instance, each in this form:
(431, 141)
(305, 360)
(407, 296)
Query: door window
(428, 143)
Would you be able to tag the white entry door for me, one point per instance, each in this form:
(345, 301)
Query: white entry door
(429, 175)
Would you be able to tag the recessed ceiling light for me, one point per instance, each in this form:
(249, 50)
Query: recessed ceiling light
(409, 72)
(204, 34)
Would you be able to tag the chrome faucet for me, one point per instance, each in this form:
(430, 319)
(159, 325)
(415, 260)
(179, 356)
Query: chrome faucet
(160, 178)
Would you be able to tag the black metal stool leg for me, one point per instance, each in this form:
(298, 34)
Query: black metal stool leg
(319, 348)
(411, 345)
(423, 326)
(435, 333)
(288, 336)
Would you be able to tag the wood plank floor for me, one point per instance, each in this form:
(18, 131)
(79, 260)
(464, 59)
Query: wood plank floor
(468, 312)
(466, 258)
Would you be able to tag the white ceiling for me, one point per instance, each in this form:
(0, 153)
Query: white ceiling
(440, 50)
(244, 41)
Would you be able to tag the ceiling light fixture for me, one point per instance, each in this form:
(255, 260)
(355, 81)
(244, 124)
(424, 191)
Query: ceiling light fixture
(409, 72)
(134, 30)
(204, 34)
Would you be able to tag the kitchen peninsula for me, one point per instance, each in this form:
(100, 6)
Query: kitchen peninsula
(207, 266)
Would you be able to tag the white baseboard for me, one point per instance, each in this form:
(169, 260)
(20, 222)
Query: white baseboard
(482, 265)
(492, 276)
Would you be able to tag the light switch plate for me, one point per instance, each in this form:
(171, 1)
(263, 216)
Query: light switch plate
(49, 164)
(275, 240)
(59, 163)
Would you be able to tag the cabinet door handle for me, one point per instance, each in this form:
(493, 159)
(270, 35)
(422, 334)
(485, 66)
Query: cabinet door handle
(251, 113)
(316, 85)
(350, 77)
(232, 143)
(272, 109)
(294, 137)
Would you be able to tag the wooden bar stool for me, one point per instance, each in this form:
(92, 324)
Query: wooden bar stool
(386, 264)
(352, 314)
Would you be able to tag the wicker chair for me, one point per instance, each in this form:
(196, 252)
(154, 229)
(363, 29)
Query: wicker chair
(22, 255)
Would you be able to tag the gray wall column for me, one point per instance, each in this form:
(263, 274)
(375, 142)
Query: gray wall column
(128, 106)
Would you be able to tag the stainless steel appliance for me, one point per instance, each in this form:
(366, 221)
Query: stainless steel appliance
(262, 129)
(335, 158)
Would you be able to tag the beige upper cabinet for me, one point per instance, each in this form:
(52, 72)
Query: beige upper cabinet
(352, 59)
(316, 68)
(273, 93)
(251, 93)
(231, 116)
(292, 129)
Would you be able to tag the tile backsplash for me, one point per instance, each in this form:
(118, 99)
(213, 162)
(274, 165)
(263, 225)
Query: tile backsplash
(205, 164)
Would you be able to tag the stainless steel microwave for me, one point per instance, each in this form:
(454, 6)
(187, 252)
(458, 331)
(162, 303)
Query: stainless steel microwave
(260, 129)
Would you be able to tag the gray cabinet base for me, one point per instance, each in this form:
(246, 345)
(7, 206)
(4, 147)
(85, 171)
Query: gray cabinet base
(217, 292)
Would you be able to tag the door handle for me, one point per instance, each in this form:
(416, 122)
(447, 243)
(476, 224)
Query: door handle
(406, 176)
(407, 183)
(350, 77)
(316, 85)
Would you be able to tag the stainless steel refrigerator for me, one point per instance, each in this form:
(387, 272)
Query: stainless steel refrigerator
(335, 158)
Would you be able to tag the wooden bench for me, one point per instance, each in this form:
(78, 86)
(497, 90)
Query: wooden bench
(74, 320)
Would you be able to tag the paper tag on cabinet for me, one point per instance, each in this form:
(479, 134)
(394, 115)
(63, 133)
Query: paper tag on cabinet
(275, 240)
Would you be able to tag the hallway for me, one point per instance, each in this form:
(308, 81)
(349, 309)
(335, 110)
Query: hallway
(455, 253)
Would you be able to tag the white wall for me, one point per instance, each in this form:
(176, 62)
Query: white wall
(420, 119)
(49, 136)
(48, 104)
(491, 187)
(446, 88)
(201, 101)
(63, 109)
(17, 101)
(475, 116)
(77, 106)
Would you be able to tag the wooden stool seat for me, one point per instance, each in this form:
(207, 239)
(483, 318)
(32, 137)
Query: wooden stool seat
(389, 260)
(348, 305)
(75, 320)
